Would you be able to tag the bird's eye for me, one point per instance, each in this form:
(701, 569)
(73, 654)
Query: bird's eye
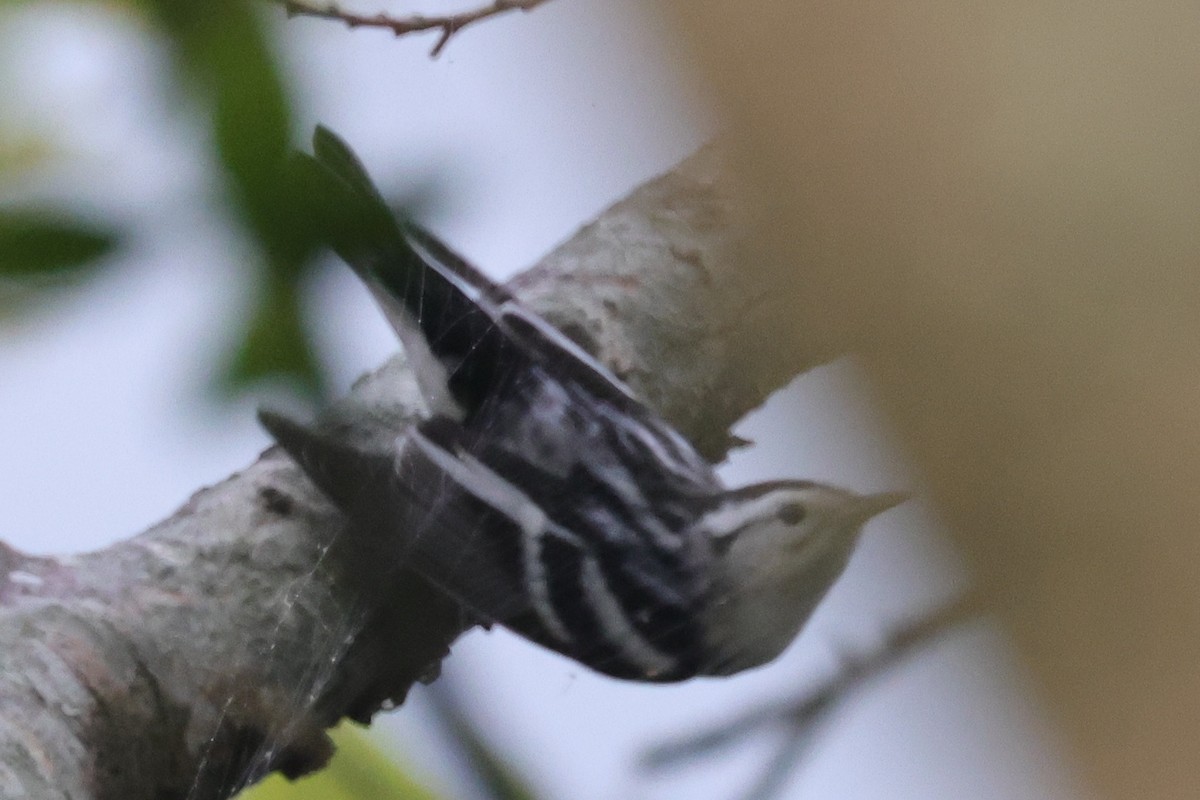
(791, 514)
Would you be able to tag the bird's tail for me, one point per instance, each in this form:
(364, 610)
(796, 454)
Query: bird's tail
(442, 308)
(407, 514)
(354, 478)
(393, 253)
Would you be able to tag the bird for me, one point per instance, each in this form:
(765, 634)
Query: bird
(539, 492)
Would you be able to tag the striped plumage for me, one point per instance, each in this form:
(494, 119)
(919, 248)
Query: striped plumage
(539, 492)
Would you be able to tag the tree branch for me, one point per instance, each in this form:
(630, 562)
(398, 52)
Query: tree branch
(449, 24)
(218, 645)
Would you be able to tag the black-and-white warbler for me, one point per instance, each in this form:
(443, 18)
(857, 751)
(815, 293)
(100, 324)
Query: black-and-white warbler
(541, 494)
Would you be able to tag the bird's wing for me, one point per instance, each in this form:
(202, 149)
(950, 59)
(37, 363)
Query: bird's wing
(433, 507)
(638, 573)
(420, 507)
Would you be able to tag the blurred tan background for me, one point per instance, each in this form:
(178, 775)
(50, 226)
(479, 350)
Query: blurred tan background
(999, 206)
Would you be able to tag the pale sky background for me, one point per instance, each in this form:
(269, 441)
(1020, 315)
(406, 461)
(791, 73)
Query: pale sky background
(538, 121)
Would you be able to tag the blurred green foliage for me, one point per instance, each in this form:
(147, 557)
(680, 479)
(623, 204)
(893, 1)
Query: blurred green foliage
(359, 770)
(224, 62)
(47, 244)
(42, 247)
(223, 56)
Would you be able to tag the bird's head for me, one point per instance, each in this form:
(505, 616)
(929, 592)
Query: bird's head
(779, 546)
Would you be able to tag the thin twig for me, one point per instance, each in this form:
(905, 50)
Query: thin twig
(805, 712)
(449, 24)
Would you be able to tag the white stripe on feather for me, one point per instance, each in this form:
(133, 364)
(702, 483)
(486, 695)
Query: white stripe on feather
(617, 627)
(473, 292)
(513, 309)
(539, 587)
(433, 378)
(484, 483)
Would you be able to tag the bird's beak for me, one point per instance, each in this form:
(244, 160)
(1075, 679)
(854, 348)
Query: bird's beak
(870, 505)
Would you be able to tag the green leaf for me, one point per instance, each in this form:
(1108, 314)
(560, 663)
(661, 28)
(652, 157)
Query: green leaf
(49, 244)
(359, 771)
(222, 50)
(275, 344)
(223, 53)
